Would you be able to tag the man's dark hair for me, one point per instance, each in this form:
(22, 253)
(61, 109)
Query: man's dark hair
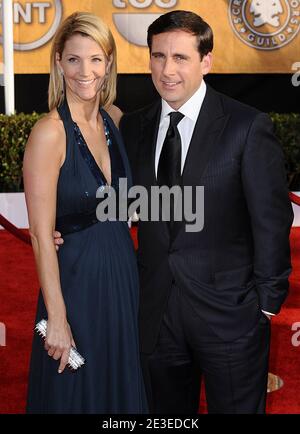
(188, 22)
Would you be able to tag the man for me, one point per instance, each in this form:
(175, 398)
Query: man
(207, 298)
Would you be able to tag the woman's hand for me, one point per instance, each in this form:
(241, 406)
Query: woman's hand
(58, 341)
(58, 240)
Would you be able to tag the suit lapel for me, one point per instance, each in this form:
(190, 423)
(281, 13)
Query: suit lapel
(210, 123)
(147, 147)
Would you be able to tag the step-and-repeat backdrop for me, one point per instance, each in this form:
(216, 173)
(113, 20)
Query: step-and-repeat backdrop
(251, 36)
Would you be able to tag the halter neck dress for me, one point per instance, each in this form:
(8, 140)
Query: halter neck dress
(99, 282)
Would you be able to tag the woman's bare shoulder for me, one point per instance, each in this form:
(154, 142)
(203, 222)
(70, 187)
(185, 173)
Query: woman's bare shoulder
(48, 134)
(50, 127)
(51, 120)
(115, 113)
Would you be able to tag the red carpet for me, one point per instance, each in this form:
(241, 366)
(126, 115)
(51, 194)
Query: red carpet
(18, 293)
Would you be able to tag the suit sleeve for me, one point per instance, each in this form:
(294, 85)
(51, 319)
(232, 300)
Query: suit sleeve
(265, 187)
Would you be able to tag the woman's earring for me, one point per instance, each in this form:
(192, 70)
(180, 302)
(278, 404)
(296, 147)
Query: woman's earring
(63, 79)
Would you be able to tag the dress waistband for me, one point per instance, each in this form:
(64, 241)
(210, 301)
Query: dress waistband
(75, 222)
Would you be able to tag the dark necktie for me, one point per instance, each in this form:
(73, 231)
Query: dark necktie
(169, 166)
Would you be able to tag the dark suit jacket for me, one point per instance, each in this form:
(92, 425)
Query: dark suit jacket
(240, 262)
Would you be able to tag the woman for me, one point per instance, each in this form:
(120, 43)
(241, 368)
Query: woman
(89, 289)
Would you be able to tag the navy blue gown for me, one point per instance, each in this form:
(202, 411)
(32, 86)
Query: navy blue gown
(99, 282)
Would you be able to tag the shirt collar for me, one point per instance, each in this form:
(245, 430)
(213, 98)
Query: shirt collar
(191, 108)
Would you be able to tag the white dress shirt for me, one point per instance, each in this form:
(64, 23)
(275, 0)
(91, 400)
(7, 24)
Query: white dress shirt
(190, 110)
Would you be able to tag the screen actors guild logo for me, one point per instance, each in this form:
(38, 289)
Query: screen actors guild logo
(266, 12)
(265, 24)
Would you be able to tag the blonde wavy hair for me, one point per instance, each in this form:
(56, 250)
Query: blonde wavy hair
(89, 25)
